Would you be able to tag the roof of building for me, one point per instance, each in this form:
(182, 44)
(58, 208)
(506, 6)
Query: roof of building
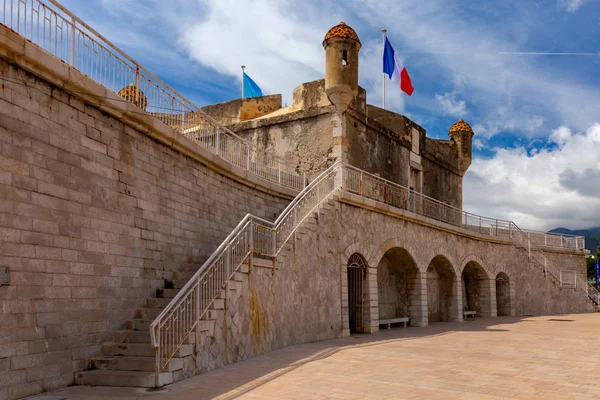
(461, 126)
(342, 30)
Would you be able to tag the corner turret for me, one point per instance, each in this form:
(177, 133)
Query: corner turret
(341, 45)
(461, 133)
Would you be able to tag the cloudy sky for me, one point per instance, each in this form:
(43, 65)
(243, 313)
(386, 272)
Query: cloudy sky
(524, 74)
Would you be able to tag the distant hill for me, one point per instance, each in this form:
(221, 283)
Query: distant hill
(592, 236)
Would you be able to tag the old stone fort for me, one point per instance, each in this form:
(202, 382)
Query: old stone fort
(144, 240)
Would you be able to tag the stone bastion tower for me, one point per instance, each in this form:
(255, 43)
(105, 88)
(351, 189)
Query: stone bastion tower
(329, 120)
(341, 45)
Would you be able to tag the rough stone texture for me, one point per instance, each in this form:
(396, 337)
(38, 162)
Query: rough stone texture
(305, 298)
(94, 216)
(311, 135)
(243, 109)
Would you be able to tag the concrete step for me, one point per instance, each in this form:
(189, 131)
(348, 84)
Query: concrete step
(122, 378)
(157, 302)
(140, 350)
(131, 336)
(210, 315)
(260, 262)
(147, 364)
(147, 313)
(137, 324)
(166, 293)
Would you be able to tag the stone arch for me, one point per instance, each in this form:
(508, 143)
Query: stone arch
(399, 287)
(505, 294)
(443, 252)
(369, 321)
(388, 244)
(474, 258)
(443, 292)
(478, 287)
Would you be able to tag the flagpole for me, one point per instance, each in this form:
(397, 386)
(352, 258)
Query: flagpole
(383, 31)
(243, 66)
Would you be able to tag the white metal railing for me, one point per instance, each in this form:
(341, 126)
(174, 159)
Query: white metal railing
(373, 187)
(252, 235)
(55, 29)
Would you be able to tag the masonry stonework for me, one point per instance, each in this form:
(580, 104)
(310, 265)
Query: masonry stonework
(94, 217)
(104, 211)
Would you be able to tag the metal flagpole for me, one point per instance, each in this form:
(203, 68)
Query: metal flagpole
(243, 66)
(383, 31)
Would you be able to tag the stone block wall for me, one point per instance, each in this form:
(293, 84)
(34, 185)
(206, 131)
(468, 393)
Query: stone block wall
(94, 216)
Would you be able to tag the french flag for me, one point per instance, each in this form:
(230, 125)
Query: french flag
(393, 67)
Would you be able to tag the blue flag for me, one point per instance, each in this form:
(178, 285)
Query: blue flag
(251, 89)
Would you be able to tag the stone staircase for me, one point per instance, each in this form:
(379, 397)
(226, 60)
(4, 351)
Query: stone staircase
(129, 359)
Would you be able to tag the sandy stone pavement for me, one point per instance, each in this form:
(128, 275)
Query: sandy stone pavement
(549, 357)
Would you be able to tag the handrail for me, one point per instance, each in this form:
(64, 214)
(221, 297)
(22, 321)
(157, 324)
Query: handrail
(372, 186)
(253, 235)
(58, 31)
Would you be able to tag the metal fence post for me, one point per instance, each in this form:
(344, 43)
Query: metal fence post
(248, 160)
(279, 171)
(137, 85)
(217, 139)
(73, 30)
(360, 184)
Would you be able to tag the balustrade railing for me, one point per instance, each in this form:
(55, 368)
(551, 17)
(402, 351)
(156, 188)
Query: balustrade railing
(253, 235)
(373, 187)
(55, 29)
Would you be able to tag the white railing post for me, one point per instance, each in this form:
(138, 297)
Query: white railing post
(248, 161)
(73, 30)
(217, 140)
(278, 171)
(137, 85)
(360, 184)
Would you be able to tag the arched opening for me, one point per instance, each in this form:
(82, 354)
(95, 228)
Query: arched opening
(398, 289)
(441, 290)
(357, 271)
(503, 294)
(476, 290)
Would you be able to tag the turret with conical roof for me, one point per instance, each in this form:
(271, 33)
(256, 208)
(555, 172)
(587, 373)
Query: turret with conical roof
(462, 134)
(341, 45)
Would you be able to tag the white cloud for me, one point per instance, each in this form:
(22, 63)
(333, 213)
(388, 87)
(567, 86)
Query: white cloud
(520, 122)
(478, 144)
(540, 190)
(280, 48)
(571, 5)
(451, 106)
(473, 50)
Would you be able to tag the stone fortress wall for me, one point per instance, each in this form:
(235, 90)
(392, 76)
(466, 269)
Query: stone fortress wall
(100, 206)
(94, 217)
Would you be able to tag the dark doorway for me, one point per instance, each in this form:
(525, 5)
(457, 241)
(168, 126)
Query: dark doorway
(356, 280)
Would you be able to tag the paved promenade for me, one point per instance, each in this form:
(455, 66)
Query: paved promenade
(548, 357)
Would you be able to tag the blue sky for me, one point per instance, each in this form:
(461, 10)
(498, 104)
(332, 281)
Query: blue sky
(535, 115)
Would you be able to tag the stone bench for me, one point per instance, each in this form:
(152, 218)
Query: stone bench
(467, 314)
(391, 321)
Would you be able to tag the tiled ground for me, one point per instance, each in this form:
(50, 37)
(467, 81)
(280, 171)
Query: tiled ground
(552, 357)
